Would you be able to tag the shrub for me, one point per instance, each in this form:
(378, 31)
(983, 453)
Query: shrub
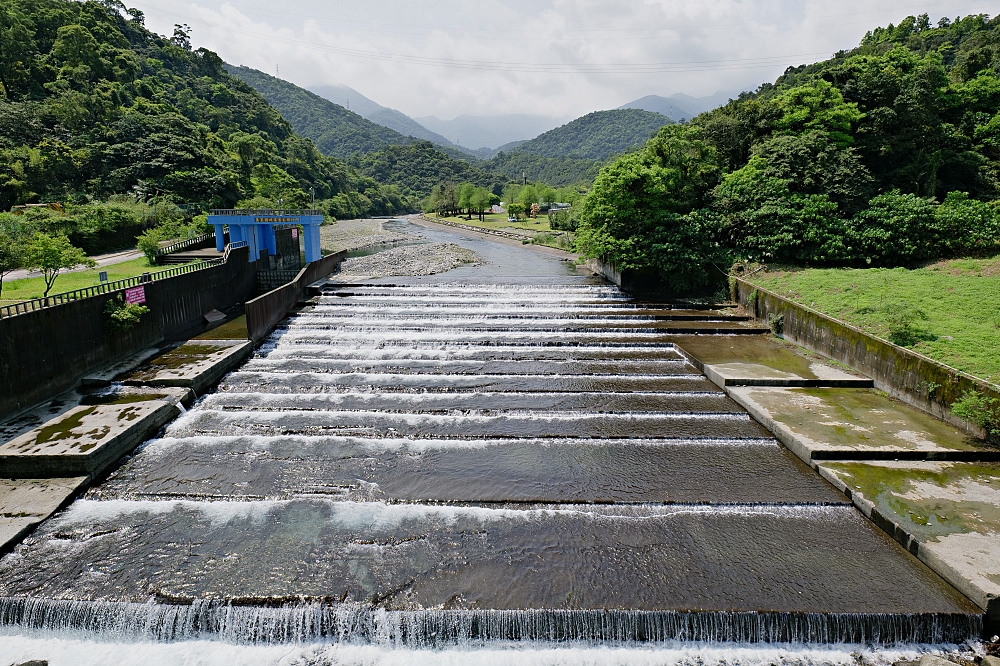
(124, 316)
(975, 407)
(896, 230)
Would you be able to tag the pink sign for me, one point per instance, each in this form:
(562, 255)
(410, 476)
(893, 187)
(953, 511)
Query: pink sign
(295, 232)
(135, 295)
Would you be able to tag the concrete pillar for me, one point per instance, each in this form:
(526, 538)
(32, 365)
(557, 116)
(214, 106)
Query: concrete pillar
(313, 252)
(220, 238)
(250, 234)
(235, 233)
(270, 240)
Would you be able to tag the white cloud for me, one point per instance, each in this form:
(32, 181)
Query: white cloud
(517, 56)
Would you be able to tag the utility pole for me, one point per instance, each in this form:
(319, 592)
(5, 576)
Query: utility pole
(312, 192)
(524, 178)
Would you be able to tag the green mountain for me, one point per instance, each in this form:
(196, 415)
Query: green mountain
(597, 135)
(555, 171)
(419, 166)
(335, 130)
(94, 104)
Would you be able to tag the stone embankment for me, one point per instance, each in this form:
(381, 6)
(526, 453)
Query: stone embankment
(930, 485)
(57, 450)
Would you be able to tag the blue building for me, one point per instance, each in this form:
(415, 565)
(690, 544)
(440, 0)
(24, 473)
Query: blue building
(256, 227)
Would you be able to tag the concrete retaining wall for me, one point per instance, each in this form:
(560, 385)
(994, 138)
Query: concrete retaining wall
(904, 374)
(264, 312)
(46, 352)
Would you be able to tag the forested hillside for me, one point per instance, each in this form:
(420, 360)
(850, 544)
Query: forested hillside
(887, 155)
(418, 167)
(555, 171)
(597, 135)
(335, 130)
(95, 105)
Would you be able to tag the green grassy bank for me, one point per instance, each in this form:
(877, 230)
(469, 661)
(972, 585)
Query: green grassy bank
(25, 289)
(949, 310)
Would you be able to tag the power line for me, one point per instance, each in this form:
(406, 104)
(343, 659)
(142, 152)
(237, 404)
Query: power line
(409, 27)
(527, 67)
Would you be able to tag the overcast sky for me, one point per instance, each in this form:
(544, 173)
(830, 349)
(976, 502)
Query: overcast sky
(559, 58)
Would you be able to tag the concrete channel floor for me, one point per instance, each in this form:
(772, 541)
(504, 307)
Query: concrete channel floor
(262, 492)
(946, 513)
(489, 479)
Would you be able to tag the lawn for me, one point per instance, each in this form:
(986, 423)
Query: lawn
(499, 221)
(539, 229)
(28, 288)
(951, 307)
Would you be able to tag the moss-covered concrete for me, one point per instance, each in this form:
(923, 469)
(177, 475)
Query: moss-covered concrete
(831, 423)
(764, 360)
(906, 375)
(196, 364)
(234, 329)
(84, 440)
(947, 513)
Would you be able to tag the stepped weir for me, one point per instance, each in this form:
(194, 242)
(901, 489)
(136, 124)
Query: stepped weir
(458, 463)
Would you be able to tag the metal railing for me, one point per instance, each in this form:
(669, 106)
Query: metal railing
(25, 307)
(184, 244)
(269, 212)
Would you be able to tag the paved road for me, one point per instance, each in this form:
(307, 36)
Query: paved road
(101, 259)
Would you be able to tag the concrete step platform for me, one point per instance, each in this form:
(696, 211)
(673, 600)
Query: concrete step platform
(764, 360)
(84, 441)
(196, 364)
(26, 502)
(856, 424)
(945, 513)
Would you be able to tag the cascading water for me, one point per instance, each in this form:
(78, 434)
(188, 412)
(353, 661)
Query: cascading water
(469, 465)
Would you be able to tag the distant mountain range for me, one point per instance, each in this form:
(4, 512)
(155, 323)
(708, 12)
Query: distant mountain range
(352, 100)
(573, 153)
(335, 130)
(598, 135)
(491, 131)
(395, 149)
(680, 107)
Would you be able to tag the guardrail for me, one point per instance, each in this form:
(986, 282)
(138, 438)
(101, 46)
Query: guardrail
(184, 244)
(264, 312)
(108, 287)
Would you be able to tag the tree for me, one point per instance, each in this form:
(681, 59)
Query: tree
(516, 209)
(52, 254)
(480, 200)
(12, 248)
(466, 192)
(767, 222)
(897, 230)
(646, 211)
(818, 106)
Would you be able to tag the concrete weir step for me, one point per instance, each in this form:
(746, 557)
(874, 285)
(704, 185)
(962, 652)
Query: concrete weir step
(945, 513)
(195, 364)
(84, 441)
(764, 361)
(493, 448)
(24, 503)
(856, 424)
